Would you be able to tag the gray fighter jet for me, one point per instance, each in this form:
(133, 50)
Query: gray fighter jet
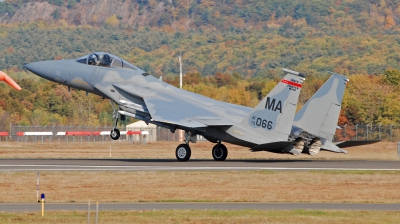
(137, 94)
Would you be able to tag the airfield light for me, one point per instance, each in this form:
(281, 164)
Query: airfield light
(42, 197)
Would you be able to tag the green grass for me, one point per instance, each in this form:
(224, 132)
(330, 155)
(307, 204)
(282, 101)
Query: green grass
(206, 216)
(183, 186)
(358, 172)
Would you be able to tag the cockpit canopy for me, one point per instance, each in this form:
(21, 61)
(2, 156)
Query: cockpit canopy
(105, 60)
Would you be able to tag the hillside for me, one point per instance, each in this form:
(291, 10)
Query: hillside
(91, 12)
(352, 17)
(253, 38)
(232, 50)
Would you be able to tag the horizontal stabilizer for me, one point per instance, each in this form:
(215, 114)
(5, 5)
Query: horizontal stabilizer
(271, 146)
(355, 143)
(330, 146)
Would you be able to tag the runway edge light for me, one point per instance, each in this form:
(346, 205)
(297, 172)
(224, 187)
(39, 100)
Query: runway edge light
(42, 197)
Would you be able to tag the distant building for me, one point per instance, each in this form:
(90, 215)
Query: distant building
(142, 126)
(155, 133)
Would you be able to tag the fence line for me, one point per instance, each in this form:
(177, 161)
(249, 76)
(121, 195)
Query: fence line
(368, 132)
(343, 133)
(91, 134)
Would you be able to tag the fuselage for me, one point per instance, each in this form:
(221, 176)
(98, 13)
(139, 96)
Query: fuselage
(142, 96)
(101, 81)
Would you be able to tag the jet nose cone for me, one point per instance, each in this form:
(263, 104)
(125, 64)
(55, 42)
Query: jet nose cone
(39, 68)
(34, 67)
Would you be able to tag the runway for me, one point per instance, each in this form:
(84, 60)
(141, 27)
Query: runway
(95, 165)
(35, 207)
(192, 165)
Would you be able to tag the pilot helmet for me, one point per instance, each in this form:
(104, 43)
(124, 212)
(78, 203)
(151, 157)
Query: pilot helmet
(92, 59)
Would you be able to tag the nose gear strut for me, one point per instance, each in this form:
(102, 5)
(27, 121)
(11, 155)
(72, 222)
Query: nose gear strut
(114, 134)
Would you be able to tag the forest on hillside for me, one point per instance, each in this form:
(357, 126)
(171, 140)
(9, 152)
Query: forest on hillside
(232, 50)
(368, 99)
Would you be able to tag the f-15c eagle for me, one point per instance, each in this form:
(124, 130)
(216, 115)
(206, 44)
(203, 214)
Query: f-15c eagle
(267, 127)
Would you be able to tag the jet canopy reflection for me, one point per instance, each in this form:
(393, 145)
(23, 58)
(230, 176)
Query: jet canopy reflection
(105, 60)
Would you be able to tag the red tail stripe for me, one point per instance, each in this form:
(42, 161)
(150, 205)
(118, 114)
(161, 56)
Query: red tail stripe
(291, 83)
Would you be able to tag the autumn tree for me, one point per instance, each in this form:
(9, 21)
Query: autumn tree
(392, 77)
(112, 20)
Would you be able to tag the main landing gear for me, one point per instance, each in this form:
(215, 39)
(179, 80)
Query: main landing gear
(114, 134)
(219, 152)
(183, 151)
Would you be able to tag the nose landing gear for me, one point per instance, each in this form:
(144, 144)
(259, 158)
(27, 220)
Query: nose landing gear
(183, 151)
(115, 134)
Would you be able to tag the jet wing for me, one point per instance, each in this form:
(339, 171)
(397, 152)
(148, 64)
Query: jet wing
(169, 107)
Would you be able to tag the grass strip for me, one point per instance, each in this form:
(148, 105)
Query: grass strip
(206, 216)
(203, 186)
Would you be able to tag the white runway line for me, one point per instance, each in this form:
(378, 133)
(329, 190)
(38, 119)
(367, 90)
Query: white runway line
(163, 168)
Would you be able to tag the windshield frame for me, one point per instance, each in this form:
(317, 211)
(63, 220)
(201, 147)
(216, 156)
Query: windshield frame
(125, 65)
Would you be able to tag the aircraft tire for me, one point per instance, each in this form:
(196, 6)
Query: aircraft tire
(114, 134)
(219, 152)
(183, 152)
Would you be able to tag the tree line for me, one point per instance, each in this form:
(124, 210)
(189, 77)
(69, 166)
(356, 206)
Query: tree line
(368, 99)
(232, 51)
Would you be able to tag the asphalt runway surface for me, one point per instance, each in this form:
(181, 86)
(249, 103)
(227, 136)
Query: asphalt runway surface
(194, 165)
(13, 165)
(32, 207)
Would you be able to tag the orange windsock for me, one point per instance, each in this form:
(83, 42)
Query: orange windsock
(4, 77)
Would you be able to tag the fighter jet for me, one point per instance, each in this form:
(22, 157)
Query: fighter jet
(4, 77)
(140, 95)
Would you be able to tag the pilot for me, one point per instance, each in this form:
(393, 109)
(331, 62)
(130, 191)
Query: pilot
(100, 60)
(106, 62)
(93, 59)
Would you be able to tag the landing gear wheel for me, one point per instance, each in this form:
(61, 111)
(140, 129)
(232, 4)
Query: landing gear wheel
(219, 152)
(183, 152)
(114, 134)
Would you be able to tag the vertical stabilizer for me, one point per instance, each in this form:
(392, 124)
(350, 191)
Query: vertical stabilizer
(273, 116)
(319, 116)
